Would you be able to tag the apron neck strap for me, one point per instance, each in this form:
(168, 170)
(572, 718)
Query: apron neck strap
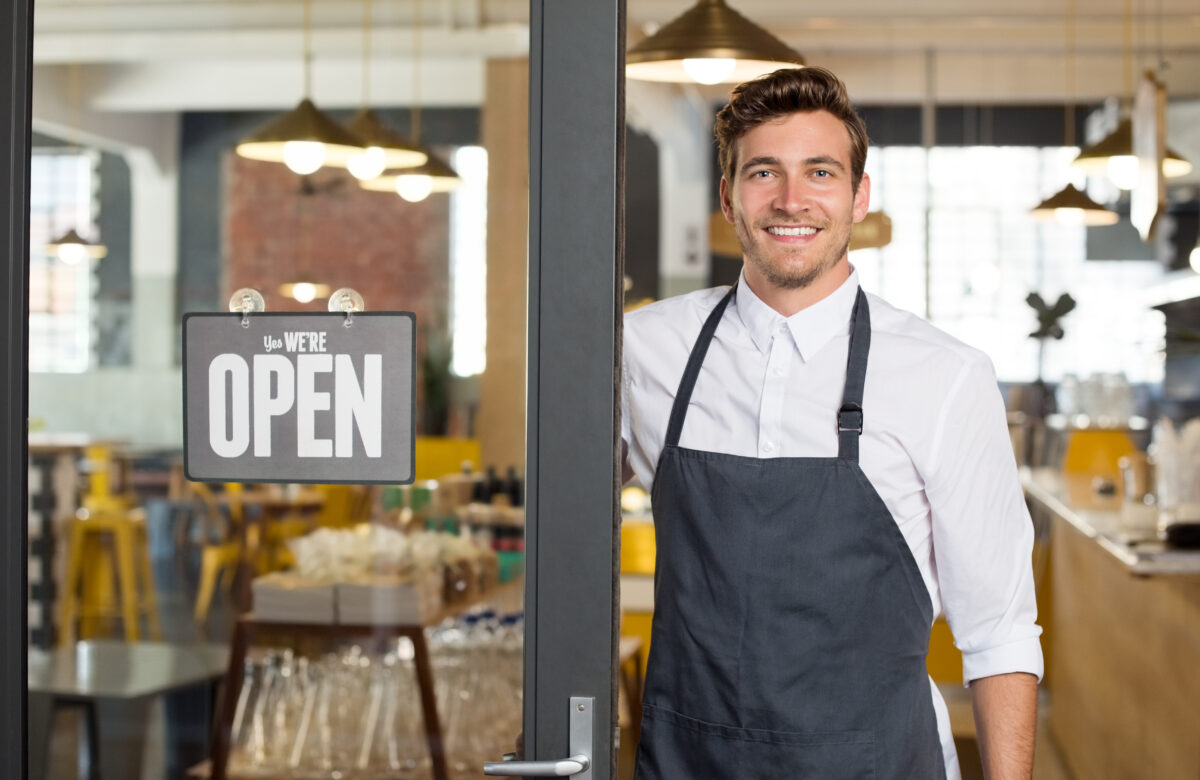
(850, 415)
(684, 396)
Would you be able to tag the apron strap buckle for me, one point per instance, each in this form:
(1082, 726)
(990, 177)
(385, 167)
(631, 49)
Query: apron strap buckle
(850, 418)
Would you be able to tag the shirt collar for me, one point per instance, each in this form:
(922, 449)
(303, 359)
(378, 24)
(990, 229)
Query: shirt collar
(811, 328)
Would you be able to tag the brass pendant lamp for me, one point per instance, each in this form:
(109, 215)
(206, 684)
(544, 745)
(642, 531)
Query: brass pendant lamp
(70, 247)
(415, 184)
(1071, 206)
(305, 138)
(73, 248)
(383, 147)
(709, 43)
(1113, 155)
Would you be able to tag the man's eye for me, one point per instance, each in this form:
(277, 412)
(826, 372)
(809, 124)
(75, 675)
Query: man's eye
(821, 173)
(760, 174)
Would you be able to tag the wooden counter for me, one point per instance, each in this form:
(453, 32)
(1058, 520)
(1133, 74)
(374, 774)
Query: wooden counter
(1124, 679)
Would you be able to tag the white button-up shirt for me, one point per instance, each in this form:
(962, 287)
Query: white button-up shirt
(934, 444)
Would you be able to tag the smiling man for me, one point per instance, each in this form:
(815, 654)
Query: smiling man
(828, 474)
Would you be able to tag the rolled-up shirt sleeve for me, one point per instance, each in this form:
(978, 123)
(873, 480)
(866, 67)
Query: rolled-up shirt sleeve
(982, 533)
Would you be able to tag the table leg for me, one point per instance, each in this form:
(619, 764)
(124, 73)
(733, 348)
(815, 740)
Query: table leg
(121, 733)
(247, 568)
(40, 720)
(433, 727)
(227, 701)
(189, 716)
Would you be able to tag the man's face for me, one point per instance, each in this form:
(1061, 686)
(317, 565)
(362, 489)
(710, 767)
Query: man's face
(791, 199)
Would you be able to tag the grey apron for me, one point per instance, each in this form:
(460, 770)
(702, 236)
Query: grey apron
(791, 622)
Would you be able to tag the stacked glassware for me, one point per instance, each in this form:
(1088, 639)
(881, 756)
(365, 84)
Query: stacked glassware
(356, 715)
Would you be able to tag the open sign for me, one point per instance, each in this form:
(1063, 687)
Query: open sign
(300, 397)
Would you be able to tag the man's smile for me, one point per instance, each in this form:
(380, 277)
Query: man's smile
(792, 233)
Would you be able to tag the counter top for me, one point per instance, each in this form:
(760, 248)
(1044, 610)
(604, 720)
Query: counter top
(1100, 521)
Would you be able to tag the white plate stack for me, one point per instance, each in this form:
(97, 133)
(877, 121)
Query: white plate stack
(281, 597)
(390, 600)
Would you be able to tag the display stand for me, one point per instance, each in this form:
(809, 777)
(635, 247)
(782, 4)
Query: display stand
(248, 627)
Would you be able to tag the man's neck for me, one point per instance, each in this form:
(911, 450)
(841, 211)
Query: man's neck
(790, 301)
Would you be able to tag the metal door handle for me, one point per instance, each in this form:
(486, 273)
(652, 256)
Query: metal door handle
(578, 764)
(562, 767)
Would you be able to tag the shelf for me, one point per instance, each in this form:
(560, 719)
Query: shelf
(1175, 287)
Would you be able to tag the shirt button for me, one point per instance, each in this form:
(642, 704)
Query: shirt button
(769, 447)
(777, 371)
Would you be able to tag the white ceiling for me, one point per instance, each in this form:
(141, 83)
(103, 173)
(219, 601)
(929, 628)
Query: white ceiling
(147, 55)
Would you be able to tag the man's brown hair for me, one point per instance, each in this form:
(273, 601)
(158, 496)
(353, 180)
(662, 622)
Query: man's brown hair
(785, 92)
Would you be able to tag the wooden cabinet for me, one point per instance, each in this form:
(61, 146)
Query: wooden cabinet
(1125, 675)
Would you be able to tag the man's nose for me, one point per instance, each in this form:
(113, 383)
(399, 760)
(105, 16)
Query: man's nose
(793, 195)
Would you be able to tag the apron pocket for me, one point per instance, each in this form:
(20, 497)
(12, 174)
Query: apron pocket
(676, 747)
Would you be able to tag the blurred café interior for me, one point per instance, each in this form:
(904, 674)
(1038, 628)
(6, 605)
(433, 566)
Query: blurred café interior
(177, 158)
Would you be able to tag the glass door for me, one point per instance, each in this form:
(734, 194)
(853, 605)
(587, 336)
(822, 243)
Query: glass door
(170, 627)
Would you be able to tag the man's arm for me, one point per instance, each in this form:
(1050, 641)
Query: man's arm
(1005, 708)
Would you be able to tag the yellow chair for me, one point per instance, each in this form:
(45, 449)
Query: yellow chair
(638, 550)
(217, 557)
(97, 537)
(440, 455)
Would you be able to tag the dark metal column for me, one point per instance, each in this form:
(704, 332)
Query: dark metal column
(16, 38)
(576, 240)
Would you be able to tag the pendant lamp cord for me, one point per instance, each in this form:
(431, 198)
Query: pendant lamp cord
(307, 39)
(366, 47)
(415, 130)
(1069, 119)
(1128, 58)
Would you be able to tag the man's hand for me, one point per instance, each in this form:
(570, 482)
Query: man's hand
(1005, 723)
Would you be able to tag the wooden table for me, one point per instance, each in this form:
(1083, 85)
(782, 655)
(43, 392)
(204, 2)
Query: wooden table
(115, 682)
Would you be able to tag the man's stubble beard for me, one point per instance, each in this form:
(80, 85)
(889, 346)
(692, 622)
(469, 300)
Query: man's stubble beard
(777, 274)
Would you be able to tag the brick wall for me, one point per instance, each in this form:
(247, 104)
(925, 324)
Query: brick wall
(395, 253)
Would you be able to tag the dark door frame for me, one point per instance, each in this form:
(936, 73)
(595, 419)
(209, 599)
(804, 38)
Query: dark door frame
(16, 30)
(576, 268)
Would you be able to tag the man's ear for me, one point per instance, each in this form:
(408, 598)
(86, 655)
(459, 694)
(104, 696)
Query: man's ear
(726, 200)
(862, 199)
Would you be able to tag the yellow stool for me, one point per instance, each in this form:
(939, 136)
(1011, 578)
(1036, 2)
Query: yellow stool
(90, 568)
